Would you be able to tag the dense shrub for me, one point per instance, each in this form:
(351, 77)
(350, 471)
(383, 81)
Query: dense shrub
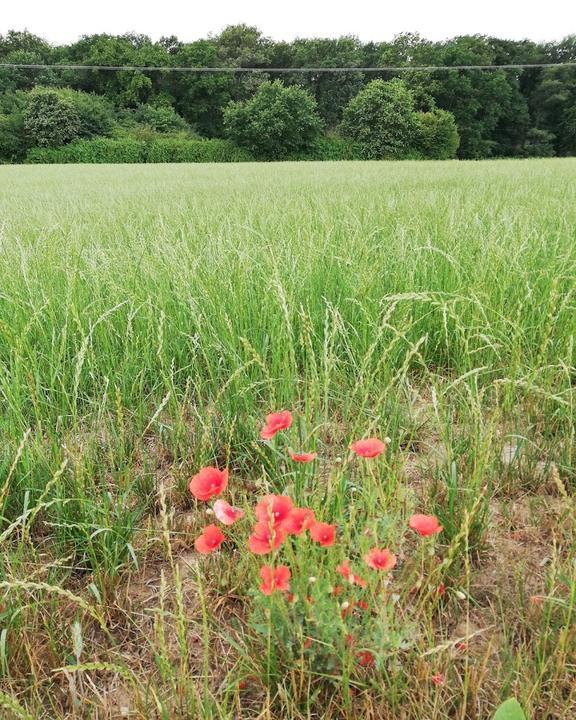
(333, 147)
(437, 136)
(172, 150)
(13, 140)
(11, 145)
(97, 150)
(277, 122)
(96, 113)
(381, 120)
(160, 118)
(50, 119)
(329, 147)
(126, 150)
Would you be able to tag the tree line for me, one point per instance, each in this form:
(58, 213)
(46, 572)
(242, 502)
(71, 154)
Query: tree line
(449, 113)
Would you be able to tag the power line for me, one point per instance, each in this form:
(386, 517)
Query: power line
(192, 69)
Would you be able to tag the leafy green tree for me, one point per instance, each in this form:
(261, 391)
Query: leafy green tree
(126, 88)
(25, 41)
(170, 43)
(243, 46)
(406, 49)
(137, 88)
(487, 105)
(539, 143)
(513, 122)
(23, 48)
(332, 91)
(101, 50)
(381, 120)
(554, 107)
(50, 119)
(200, 98)
(277, 122)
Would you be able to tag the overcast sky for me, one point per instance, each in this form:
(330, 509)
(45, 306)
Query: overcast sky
(62, 21)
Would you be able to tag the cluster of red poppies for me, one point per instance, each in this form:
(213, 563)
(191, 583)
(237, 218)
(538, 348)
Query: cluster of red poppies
(277, 517)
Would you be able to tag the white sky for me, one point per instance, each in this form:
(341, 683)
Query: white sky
(62, 21)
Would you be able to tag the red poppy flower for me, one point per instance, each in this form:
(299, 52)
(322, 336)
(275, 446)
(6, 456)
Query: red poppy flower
(365, 658)
(210, 540)
(346, 571)
(425, 524)
(438, 679)
(265, 538)
(274, 579)
(276, 422)
(304, 457)
(249, 681)
(208, 482)
(274, 509)
(298, 520)
(307, 643)
(226, 513)
(368, 448)
(323, 533)
(380, 559)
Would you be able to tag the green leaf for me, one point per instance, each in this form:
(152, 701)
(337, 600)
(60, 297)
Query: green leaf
(510, 710)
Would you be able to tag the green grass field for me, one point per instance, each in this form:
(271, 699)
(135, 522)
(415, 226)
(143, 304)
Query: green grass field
(151, 316)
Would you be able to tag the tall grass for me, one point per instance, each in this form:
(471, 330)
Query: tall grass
(150, 317)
